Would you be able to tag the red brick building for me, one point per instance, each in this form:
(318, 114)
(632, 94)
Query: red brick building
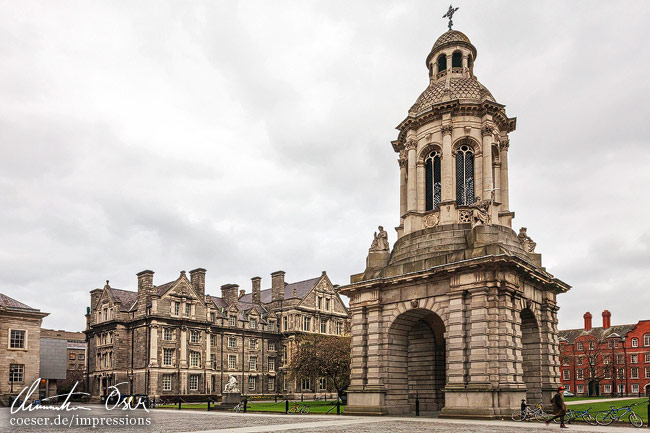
(607, 360)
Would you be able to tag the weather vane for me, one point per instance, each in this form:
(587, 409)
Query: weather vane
(450, 14)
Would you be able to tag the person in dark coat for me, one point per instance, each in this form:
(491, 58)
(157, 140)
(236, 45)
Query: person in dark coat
(559, 407)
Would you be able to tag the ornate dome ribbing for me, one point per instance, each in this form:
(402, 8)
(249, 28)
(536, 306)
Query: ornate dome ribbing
(459, 88)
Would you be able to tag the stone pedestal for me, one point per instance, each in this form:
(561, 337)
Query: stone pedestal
(230, 399)
(377, 259)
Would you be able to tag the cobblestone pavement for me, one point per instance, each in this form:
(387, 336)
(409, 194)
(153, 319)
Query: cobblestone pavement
(209, 422)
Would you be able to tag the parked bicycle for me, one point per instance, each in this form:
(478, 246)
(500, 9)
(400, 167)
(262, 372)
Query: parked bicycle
(579, 415)
(529, 413)
(299, 408)
(239, 407)
(618, 414)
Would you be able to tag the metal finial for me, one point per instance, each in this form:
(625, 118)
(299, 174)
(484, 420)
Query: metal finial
(450, 13)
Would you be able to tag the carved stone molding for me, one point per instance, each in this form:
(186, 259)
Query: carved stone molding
(446, 129)
(402, 162)
(411, 144)
(504, 143)
(431, 220)
(487, 130)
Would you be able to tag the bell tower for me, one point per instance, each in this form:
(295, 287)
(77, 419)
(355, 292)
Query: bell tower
(459, 316)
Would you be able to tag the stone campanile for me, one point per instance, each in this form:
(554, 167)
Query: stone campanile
(460, 314)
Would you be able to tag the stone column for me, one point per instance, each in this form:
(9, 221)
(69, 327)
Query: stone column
(403, 161)
(153, 346)
(421, 191)
(503, 157)
(374, 334)
(479, 342)
(550, 352)
(497, 181)
(358, 361)
(447, 164)
(486, 131)
(411, 145)
(455, 341)
(183, 360)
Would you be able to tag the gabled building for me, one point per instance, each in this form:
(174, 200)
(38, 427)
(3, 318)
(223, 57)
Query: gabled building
(607, 360)
(174, 339)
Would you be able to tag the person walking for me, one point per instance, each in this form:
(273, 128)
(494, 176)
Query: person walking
(559, 407)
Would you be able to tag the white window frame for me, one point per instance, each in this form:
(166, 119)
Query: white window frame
(607, 388)
(232, 342)
(177, 308)
(168, 334)
(635, 342)
(580, 374)
(634, 372)
(272, 345)
(252, 324)
(303, 382)
(635, 388)
(24, 339)
(306, 323)
(232, 362)
(195, 336)
(634, 358)
(271, 364)
(270, 384)
(566, 375)
(581, 389)
(647, 372)
(252, 362)
(195, 358)
(232, 321)
(322, 384)
(646, 340)
(16, 373)
(171, 357)
(252, 382)
(323, 326)
(167, 382)
(194, 382)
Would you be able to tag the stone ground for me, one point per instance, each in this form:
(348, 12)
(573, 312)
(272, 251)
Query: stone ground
(163, 420)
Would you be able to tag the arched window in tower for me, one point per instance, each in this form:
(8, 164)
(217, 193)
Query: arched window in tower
(432, 179)
(457, 60)
(442, 63)
(464, 176)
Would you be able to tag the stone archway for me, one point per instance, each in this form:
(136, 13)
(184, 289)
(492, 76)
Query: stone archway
(416, 364)
(531, 352)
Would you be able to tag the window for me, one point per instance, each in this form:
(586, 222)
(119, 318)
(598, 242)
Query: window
(72, 356)
(253, 323)
(251, 383)
(432, 178)
(232, 362)
(634, 358)
(621, 388)
(213, 360)
(253, 343)
(195, 358)
(619, 359)
(635, 388)
(17, 339)
(565, 361)
(167, 382)
(272, 364)
(213, 340)
(194, 382)
(581, 389)
(323, 326)
(188, 309)
(305, 384)
(580, 346)
(81, 357)
(320, 303)
(168, 334)
(168, 356)
(606, 360)
(272, 325)
(608, 373)
(566, 375)
(327, 306)
(322, 384)
(635, 342)
(16, 372)
(620, 373)
(579, 374)
(634, 372)
(232, 342)
(464, 176)
(607, 389)
(212, 317)
(442, 63)
(647, 357)
(233, 321)
(580, 360)
(284, 355)
(252, 363)
(647, 372)
(270, 384)
(339, 328)
(306, 324)
(610, 344)
(457, 60)
(646, 340)
(271, 345)
(195, 336)
(285, 323)
(177, 308)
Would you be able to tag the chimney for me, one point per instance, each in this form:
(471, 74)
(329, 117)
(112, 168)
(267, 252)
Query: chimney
(277, 286)
(607, 316)
(257, 282)
(229, 293)
(242, 292)
(145, 280)
(587, 318)
(197, 277)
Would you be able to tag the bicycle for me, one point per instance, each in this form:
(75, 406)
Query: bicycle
(299, 408)
(239, 407)
(528, 414)
(578, 415)
(609, 416)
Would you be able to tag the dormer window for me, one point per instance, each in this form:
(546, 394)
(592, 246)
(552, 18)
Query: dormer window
(188, 309)
(233, 321)
(253, 323)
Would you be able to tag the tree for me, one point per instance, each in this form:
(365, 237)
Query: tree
(592, 353)
(322, 356)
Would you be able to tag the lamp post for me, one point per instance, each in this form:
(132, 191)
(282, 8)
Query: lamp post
(11, 378)
(131, 382)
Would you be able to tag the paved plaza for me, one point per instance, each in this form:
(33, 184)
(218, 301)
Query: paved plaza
(164, 420)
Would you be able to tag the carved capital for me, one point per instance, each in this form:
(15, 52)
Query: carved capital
(402, 162)
(504, 143)
(446, 130)
(411, 144)
(487, 130)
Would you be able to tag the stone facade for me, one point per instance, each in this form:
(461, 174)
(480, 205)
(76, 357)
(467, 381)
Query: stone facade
(607, 360)
(173, 339)
(20, 334)
(460, 315)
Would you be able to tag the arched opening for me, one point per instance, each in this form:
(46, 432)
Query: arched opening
(464, 176)
(531, 356)
(416, 364)
(647, 390)
(432, 179)
(442, 63)
(457, 60)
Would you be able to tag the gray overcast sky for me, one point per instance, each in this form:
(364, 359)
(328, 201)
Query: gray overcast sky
(247, 137)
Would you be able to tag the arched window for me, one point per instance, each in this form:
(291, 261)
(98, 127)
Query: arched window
(432, 175)
(457, 60)
(442, 63)
(635, 342)
(464, 176)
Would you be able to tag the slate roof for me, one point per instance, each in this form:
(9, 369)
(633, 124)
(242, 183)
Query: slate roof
(302, 288)
(11, 303)
(126, 298)
(599, 333)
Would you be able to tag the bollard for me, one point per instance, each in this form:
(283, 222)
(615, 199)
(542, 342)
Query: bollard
(179, 404)
(338, 406)
(245, 404)
(208, 405)
(417, 406)
(286, 406)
